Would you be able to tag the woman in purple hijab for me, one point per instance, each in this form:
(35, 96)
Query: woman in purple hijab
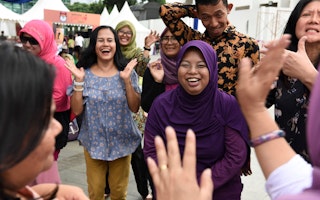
(215, 117)
(161, 75)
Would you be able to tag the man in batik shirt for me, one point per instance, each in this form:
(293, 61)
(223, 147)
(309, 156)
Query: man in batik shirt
(231, 46)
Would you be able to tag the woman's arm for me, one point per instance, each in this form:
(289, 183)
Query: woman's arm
(150, 90)
(233, 160)
(67, 192)
(253, 87)
(78, 86)
(133, 97)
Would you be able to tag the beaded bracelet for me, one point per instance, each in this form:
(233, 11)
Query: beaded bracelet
(78, 83)
(78, 89)
(267, 137)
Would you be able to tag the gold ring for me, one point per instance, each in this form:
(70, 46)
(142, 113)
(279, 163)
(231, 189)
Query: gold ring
(163, 167)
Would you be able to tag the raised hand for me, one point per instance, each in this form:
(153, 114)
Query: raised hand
(173, 180)
(298, 65)
(254, 83)
(126, 73)
(76, 72)
(151, 38)
(157, 71)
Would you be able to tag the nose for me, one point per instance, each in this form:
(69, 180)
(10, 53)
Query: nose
(27, 43)
(192, 69)
(214, 23)
(315, 18)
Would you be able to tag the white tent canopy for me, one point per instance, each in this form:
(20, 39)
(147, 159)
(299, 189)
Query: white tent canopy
(104, 16)
(37, 11)
(113, 14)
(126, 14)
(8, 20)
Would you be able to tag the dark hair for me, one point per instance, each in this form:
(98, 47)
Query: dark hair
(211, 2)
(89, 55)
(291, 29)
(26, 86)
(292, 22)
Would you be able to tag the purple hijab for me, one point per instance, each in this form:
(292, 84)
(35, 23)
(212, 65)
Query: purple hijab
(313, 133)
(169, 65)
(207, 114)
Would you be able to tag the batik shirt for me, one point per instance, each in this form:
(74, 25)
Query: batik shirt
(231, 46)
(108, 131)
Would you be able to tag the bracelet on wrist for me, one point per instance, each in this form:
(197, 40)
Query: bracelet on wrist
(78, 83)
(146, 48)
(267, 137)
(78, 89)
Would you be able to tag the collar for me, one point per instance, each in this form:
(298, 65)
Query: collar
(230, 29)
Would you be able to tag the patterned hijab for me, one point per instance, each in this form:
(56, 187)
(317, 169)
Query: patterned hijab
(169, 65)
(129, 51)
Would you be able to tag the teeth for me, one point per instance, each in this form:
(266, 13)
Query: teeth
(312, 30)
(192, 79)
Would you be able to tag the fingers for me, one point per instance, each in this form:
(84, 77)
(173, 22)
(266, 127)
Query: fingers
(244, 71)
(173, 148)
(161, 152)
(206, 184)
(156, 65)
(189, 157)
(131, 64)
(154, 171)
(302, 43)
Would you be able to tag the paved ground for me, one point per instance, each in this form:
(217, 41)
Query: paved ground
(72, 171)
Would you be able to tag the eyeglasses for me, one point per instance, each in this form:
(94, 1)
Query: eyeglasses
(128, 33)
(31, 40)
(166, 39)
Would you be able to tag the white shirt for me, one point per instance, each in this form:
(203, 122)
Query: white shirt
(291, 178)
(79, 41)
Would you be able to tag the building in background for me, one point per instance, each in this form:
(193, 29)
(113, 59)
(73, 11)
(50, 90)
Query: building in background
(21, 8)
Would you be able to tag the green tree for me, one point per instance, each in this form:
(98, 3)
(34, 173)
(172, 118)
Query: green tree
(87, 8)
(159, 1)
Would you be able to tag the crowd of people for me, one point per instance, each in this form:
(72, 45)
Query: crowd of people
(198, 110)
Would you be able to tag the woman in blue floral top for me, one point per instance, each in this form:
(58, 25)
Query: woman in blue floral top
(106, 90)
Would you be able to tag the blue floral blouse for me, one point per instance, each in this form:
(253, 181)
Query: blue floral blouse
(108, 131)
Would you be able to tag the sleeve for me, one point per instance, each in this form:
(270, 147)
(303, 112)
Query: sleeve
(61, 83)
(291, 178)
(253, 51)
(171, 15)
(150, 90)
(152, 129)
(135, 82)
(233, 160)
(141, 66)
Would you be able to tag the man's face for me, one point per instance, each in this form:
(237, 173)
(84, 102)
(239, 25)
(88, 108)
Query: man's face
(214, 17)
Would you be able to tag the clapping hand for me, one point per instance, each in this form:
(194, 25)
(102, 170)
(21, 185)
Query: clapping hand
(157, 71)
(77, 73)
(126, 73)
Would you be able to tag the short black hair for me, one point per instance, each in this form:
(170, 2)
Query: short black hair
(213, 2)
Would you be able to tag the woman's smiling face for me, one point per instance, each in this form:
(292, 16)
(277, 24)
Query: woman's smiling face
(193, 73)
